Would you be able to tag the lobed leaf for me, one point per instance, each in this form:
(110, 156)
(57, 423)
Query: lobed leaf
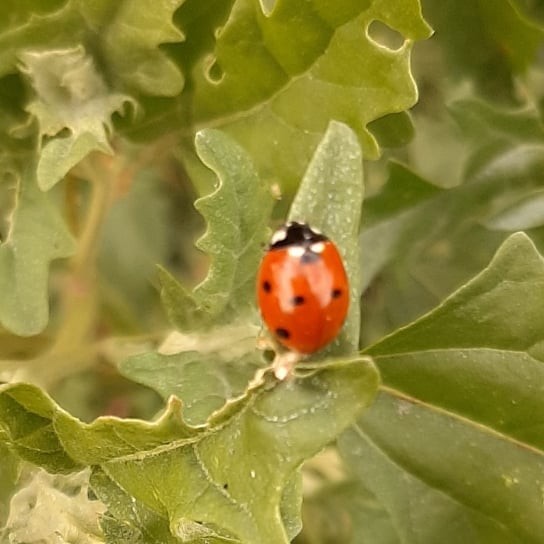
(199, 22)
(455, 436)
(85, 61)
(206, 369)
(237, 213)
(320, 63)
(131, 40)
(298, 66)
(70, 95)
(224, 480)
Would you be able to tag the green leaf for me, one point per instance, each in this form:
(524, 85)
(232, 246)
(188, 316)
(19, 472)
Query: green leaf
(291, 504)
(393, 130)
(128, 521)
(497, 137)
(199, 22)
(475, 316)
(51, 509)
(228, 478)
(37, 236)
(297, 67)
(307, 50)
(449, 434)
(204, 370)
(237, 213)
(85, 61)
(330, 198)
(231, 457)
(26, 416)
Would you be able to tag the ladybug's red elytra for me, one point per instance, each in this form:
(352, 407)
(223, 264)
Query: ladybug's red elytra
(302, 288)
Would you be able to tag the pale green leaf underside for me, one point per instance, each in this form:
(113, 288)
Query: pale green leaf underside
(228, 477)
(36, 237)
(60, 155)
(70, 95)
(460, 385)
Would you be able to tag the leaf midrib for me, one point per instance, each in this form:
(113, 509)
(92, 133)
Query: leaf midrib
(462, 419)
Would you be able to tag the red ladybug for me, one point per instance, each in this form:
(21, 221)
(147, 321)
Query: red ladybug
(302, 288)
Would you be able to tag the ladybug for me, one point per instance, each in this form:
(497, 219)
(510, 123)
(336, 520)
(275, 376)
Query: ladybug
(302, 288)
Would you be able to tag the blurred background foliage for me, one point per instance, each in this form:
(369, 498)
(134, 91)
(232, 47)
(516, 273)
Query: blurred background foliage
(455, 177)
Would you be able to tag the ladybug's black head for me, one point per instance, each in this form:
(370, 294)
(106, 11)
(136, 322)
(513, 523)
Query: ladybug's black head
(299, 234)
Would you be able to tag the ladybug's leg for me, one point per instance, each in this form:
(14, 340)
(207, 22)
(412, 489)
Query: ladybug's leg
(284, 363)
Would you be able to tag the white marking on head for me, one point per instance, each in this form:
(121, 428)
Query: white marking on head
(317, 247)
(278, 236)
(296, 251)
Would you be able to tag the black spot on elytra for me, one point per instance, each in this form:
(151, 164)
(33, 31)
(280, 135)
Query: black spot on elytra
(267, 287)
(298, 300)
(282, 333)
(225, 486)
(336, 293)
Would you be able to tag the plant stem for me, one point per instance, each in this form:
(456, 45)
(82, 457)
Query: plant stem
(79, 295)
